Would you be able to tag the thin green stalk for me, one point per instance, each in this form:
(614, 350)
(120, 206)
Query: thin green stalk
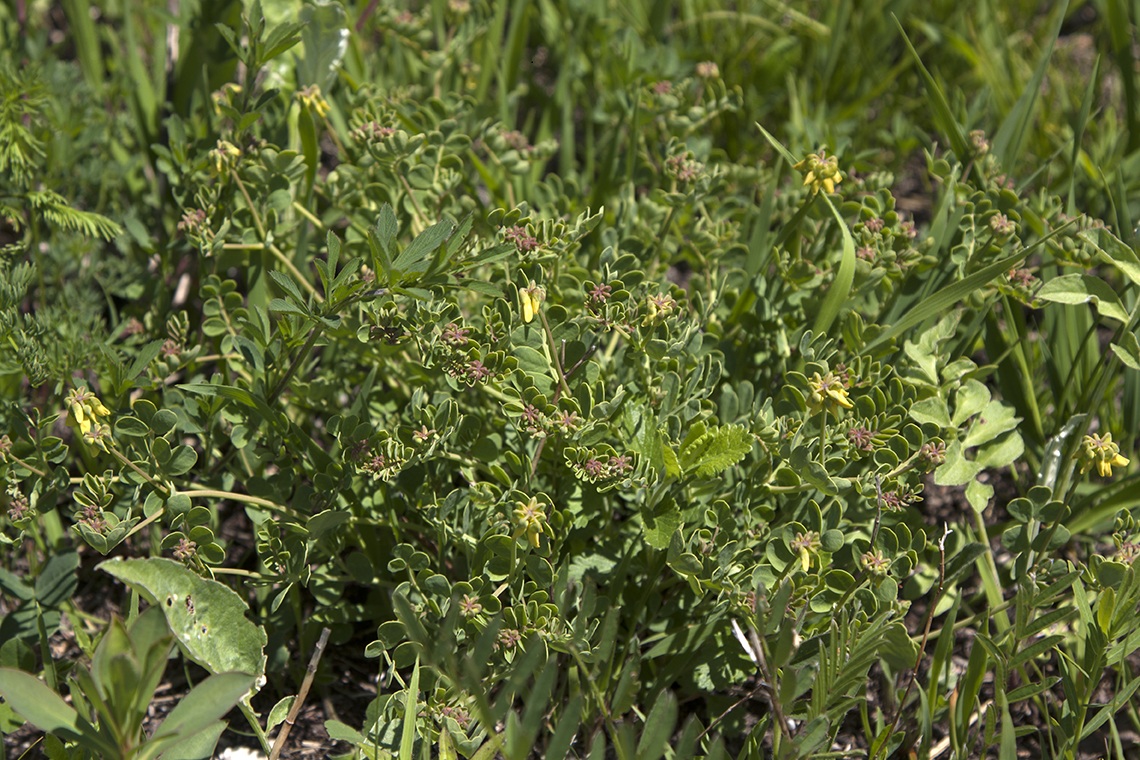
(990, 580)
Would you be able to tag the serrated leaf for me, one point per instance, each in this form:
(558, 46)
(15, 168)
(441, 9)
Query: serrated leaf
(413, 258)
(715, 451)
(660, 523)
(286, 283)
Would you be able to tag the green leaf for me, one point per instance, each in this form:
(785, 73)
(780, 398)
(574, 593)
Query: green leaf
(840, 289)
(286, 283)
(658, 727)
(340, 732)
(413, 258)
(207, 702)
(1036, 649)
(411, 708)
(660, 522)
(1010, 136)
(208, 619)
(1127, 350)
(1001, 453)
(145, 356)
(994, 420)
(57, 581)
(1113, 250)
(930, 410)
(324, 33)
(1076, 289)
(939, 302)
(36, 703)
(199, 746)
(942, 113)
(131, 426)
(715, 451)
(978, 494)
(956, 470)
(181, 461)
(970, 399)
(13, 585)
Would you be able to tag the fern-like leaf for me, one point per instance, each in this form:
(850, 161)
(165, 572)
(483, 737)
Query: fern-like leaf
(56, 211)
(709, 452)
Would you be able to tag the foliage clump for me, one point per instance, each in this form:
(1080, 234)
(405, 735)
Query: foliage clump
(662, 387)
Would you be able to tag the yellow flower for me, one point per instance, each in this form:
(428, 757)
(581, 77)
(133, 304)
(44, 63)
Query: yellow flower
(828, 391)
(312, 99)
(657, 307)
(1102, 452)
(530, 518)
(820, 171)
(529, 300)
(225, 156)
(88, 413)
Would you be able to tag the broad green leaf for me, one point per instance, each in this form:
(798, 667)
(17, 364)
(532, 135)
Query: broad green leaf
(57, 580)
(208, 619)
(970, 399)
(1073, 289)
(956, 470)
(658, 729)
(324, 34)
(996, 418)
(930, 410)
(14, 586)
(206, 703)
(660, 523)
(1113, 250)
(36, 703)
(1127, 350)
(199, 746)
(1002, 452)
(182, 460)
(978, 494)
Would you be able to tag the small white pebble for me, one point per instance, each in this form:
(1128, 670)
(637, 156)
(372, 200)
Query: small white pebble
(240, 753)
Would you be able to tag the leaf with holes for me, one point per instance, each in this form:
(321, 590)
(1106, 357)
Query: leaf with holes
(208, 619)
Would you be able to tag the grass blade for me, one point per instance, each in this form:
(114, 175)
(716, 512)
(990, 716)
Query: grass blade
(411, 707)
(1011, 135)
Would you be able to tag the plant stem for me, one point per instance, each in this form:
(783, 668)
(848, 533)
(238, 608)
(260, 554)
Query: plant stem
(310, 672)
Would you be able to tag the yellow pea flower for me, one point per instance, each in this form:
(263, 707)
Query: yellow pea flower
(530, 520)
(1101, 451)
(88, 415)
(529, 300)
(821, 172)
(828, 391)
